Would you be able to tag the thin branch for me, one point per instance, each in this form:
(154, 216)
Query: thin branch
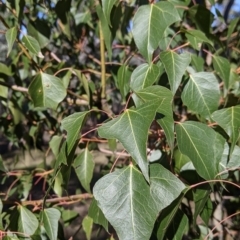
(79, 197)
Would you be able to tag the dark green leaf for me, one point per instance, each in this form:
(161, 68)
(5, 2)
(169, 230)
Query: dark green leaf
(201, 94)
(46, 90)
(167, 216)
(125, 199)
(84, 166)
(144, 76)
(164, 186)
(123, 80)
(202, 145)
(180, 160)
(178, 226)
(97, 215)
(107, 6)
(73, 125)
(163, 97)
(175, 66)
(222, 68)
(11, 35)
(228, 119)
(149, 24)
(131, 129)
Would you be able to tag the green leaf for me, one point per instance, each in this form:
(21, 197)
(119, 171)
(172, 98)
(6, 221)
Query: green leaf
(27, 222)
(163, 97)
(84, 82)
(149, 24)
(32, 45)
(55, 144)
(167, 216)
(87, 225)
(131, 129)
(201, 197)
(202, 145)
(84, 166)
(105, 30)
(50, 217)
(228, 119)
(11, 35)
(123, 80)
(201, 94)
(97, 215)
(234, 159)
(196, 38)
(175, 66)
(4, 69)
(107, 6)
(40, 30)
(178, 226)
(144, 76)
(73, 125)
(231, 27)
(2, 167)
(222, 67)
(180, 160)
(125, 199)
(46, 91)
(197, 62)
(1, 207)
(164, 186)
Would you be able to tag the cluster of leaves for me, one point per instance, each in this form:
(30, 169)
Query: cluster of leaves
(153, 78)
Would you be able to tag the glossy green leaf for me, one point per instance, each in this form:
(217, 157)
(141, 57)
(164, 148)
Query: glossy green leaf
(46, 91)
(125, 199)
(149, 24)
(11, 35)
(234, 161)
(144, 76)
(50, 217)
(123, 80)
(32, 45)
(87, 225)
(163, 97)
(164, 186)
(201, 94)
(178, 226)
(105, 30)
(73, 125)
(97, 215)
(107, 6)
(228, 119)
(207, 212)
(202, 145)
(222, 67)
(27, 222)
(84, 166)
(131, 129)
(175, 66)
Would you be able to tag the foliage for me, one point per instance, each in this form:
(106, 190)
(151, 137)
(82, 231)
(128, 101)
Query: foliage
(150, 85)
